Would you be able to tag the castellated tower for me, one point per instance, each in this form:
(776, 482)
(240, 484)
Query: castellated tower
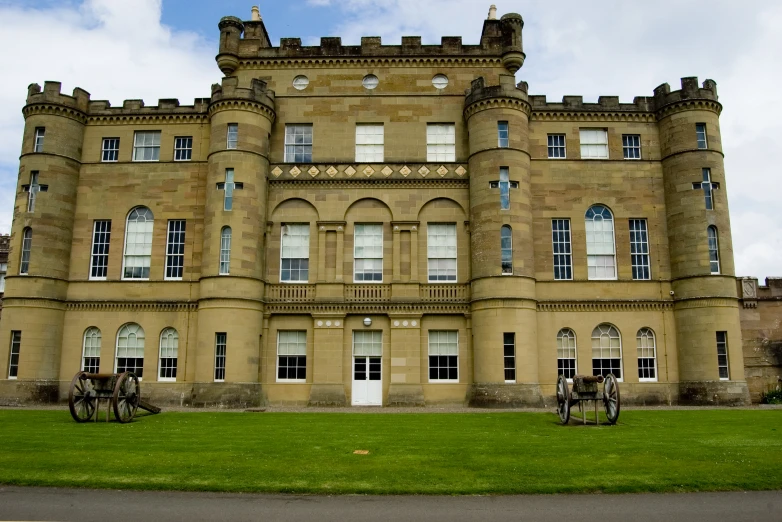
(39, 260)
(702, 275)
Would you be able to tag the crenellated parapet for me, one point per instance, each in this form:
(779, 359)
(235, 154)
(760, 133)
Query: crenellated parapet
(689, 97)
(51, 100)
(228, 95)
(134, 111)
(506, 94)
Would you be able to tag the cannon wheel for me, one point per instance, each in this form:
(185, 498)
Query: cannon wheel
(81, 398)
(563, 400)
(611, 398)
(126, 397)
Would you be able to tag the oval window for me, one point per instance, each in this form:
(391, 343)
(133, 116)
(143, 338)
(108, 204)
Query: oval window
(370, 81)
(440, 81)
(300, 82)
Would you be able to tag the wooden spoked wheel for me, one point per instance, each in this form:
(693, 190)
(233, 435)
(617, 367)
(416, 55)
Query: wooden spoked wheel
(126, 397)
(563, 400)
(82, 399)
(611, 398)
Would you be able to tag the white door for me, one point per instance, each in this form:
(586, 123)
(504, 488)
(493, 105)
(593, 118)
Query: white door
(367, 368)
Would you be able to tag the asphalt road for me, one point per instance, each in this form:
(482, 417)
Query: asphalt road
(85, 505)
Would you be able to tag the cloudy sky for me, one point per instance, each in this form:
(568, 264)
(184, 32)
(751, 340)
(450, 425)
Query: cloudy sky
(118, 49)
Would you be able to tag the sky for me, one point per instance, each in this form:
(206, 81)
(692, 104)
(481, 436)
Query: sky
(152, 49)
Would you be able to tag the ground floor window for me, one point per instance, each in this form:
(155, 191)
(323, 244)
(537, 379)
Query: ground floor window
(606, 351)
(90, 361)
(566, 353)
(130, 350)
(16, 346)
(444, 355)
(647, 355)
(509, 355)
(221, 342)
(169, 354)
(292, 356)
(722, 355)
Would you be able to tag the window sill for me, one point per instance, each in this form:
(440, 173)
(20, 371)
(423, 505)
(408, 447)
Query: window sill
(721, 378)
(181, 160)
(291, 381)
(602, 279)
(224, 273)
(367, 282)
(549, 157)
(430, 282)
(166, 379)
(510, 382)
(145, 161)
(282, 282)
(11, 378)
(647, 380)
(109, 161)
(632, 159)
(219, 380)
(172, 279)
(443, 381)
(133, 279)
(97, 279)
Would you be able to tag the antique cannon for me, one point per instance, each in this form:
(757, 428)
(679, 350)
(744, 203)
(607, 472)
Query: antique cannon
(119, 390)
(585, 388)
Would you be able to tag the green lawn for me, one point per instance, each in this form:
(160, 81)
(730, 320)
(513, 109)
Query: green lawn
(438, 453)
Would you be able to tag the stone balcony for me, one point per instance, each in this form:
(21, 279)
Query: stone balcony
(368, 293)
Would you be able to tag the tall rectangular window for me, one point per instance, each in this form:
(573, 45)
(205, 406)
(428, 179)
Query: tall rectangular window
(16, 346)
(639, 249)
(110, 150)
(232, 136)
(295, 253)
(556, 146)
(99, 259)
(146, 146)
(566, 353)
(722, 355)
(369, 143)
(3, 271)
(504, 189)
(509, 355)
(221, 339)
(707, 186)
(225, 251)
(32, 191)
(502, 134)
(40, 133)
(700, 134)
(563, 257)
(441, 142)
(368, 253)
(291, 356)
(631, 146)
(298, 143)
(27, 244)
(441, 252)
(594, 144)
(443, 356)
(183, 148)
(714, 250)
(175, 249)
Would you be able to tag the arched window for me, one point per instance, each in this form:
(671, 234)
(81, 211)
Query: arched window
(90, 356)
(169, 353)
(138, 244)
(27, 243)
(506, 245)
(601, 252)
(714, 250)
(647, 355)
(130, 350)
(566, 353)
(606, 351)
(225, 251)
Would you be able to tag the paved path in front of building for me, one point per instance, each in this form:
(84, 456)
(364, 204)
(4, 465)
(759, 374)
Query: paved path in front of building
(85, 505)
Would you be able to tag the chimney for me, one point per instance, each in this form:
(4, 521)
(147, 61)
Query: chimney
(492, 12)
(256, 14)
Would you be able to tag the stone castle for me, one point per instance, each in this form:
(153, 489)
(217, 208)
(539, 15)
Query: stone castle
(378, 225)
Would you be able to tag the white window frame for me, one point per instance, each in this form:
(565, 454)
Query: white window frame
(3, 272)
(562, 248)
(225, 251)
(713, 237)
(556, 146)
(708, 189)
(175, 249)
(220, 358)
(150, 141)
(643, 347)
(567, 345)
(441, 142)
(509, 361)
(140, 338)
(432, 231)
(724, 344)
(168, 349)
(183, 148)
(595, 249)
(109, 150)
(506, 248)
(605, 330)
(370, 138)
(32, 191)
(298, 137)
(91, 342)
(101, 240)
(16, 349)
(701, 136)
(503, 127)
(284, 343)
(594, 143)
(232, 136)
(26, 255)
(292, 233)
(640, 258)
(370, 254)
(437, 344)
(147, 246)
(631, 146)
(40, 134)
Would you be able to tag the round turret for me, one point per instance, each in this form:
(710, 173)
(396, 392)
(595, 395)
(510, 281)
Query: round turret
(231, 29)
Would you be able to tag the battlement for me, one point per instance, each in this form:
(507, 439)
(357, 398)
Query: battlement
(604, 104)
(690, 91)
(229, 89)
(507, 88)
(52, 93)
(165, 106)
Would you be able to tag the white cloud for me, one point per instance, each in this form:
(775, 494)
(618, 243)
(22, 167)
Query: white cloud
(114, 50)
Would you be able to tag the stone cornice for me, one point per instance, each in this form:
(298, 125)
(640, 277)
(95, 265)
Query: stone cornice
(242, 105)
(51, 109)
(592, 116)
(689, 105)
(604, 306)
(147, 119)
(134, 306)
(367, 308)
(707, 302)
(364, 184)
(497, 103)
(685, 151)
(407, 61)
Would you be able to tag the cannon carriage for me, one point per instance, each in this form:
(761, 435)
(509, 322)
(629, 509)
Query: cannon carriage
(585, 389)
(120, 391)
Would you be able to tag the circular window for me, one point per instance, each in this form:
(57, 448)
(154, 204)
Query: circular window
(440, 81)
(370, 81)
(300, 82)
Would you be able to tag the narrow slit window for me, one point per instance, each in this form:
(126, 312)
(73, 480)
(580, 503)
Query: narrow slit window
(714, 250)
(722, 355)
(16, 348)
(40, 133)
(700, 135)
(509, 355)
(232, 136)
(502, 134)
(504, 189)
(27, 243)
(225, 251)
(221, 345)
(506, 249)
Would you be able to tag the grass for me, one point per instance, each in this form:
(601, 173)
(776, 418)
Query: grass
(473, 453)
